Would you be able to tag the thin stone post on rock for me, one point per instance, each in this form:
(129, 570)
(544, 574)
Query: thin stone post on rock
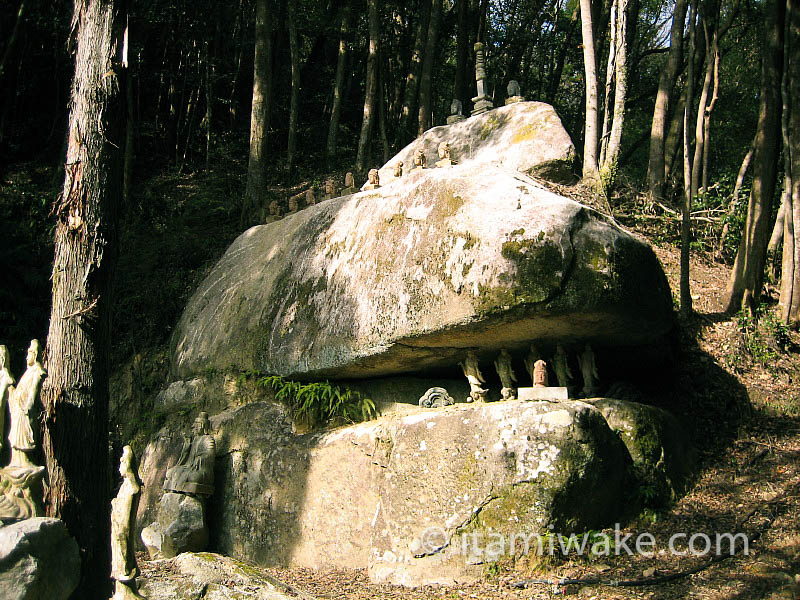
(481, 101)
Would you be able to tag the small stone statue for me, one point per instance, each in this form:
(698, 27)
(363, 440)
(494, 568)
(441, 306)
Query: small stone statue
(506, 373)
(481, 101)
(540, 374)
(444, 155)
(6, 386)
(436, 397)
(560, 366)
(21, 402)
(293, 204)
(311, 200)
(194, 471)
(589, 371)
(274, 209)
(349, 184)
(21, 480)
(123, 524)
(373, 180)
(398, 169)
(514, 93)
(330, 188)
(473, 374)
(455, 112)
(419, 159)
(531, 359)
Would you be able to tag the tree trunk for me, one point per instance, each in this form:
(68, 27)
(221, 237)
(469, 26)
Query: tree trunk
(611, 147)
(259, 117)
(406, 129)
(426, 78)
(460, 90)
(338, 88)
(735, 196)
(13, 39)
(590, 141)
(790, 266)
(294, 53)
(686, 205)
(748, 269)
(673, 145)
(370, 95)
(75, 393)
(709, 110)
(656, 172)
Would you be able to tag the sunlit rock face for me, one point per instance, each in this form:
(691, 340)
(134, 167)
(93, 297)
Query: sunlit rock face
(405, 277)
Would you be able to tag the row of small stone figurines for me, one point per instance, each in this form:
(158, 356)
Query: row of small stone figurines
(537, 370)
(309, 198)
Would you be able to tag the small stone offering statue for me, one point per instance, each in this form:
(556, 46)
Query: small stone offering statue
(560, 366)
(473, 374)
(274, 209)
(531, 359)
(455, 112)
(589, 371)
(398, 169)
(514, 93)
(373, 180)
(540, 378)
(311, 200)
(21, 402)
(506, 373)
(444, 155)
(194, 472)
(419, 159)
(349, 184)
(123, 524)
(6, 386)
(293, 205)
(330, 188)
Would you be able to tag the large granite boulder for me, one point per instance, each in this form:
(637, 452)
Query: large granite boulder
(527, 137)
(365, 495)
(661, 448)
(404, 278)
(180, 526)
(39, 560)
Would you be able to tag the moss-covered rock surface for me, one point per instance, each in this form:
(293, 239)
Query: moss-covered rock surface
(405, 277)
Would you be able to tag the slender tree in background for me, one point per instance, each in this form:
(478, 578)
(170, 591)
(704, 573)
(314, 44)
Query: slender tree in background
(790, 273)
(426, 78)
(666, 82)
(618, 68)
(686, 203)
(590, 167)
(259, 119)
(371, 93)
(747, 276)
(75, 393)
(338, 87)
(407, 124)
(294, 57)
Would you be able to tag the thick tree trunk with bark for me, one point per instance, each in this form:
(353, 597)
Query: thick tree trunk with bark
(655, 166)
(259, 117)
(590, 141)
(748, 269)
(426, 78)
(75, 393)
(611, 145)
(371, 92)
(338, 88)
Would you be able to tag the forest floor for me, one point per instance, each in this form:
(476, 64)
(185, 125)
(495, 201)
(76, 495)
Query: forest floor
(742, 381)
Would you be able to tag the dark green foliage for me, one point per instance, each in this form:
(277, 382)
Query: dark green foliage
(319, 403)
